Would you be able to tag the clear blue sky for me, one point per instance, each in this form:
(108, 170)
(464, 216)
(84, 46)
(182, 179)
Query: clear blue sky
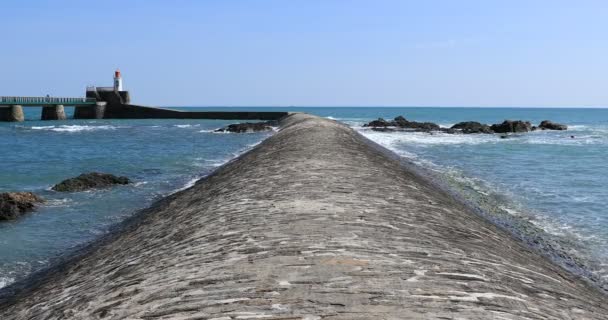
(312, 52)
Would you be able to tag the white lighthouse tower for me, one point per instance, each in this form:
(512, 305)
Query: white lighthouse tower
(117, 81)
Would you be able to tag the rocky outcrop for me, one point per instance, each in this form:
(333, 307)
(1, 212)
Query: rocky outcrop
(472, 127)
(15, 204)
(467, 127)
(509, 126)
(549, 125)
(87, 181)
(402, 123)
(247, 127)
(380, 123)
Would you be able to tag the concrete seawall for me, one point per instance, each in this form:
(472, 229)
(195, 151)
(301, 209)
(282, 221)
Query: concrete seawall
(316, 222)
(116, 105)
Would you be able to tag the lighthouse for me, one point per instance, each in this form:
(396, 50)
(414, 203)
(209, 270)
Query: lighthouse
(117, 81)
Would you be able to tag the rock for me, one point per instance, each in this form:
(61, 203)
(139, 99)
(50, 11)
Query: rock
(384, 129)
(512, 126)
(472, 127)
(15, 204)
(379, 123)
(402, 123)
(549, 125)
(247, 127)
(449, 130)
(420, 126)
(93, 180)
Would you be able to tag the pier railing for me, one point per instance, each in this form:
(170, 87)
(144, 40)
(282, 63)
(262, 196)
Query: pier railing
(40, 101)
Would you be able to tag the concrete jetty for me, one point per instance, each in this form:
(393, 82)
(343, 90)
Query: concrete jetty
(113, 103)
(316, 222)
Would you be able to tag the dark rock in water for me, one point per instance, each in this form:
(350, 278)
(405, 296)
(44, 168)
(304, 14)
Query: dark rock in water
(93, 180)
(379, 123)
(512, 126)
(384, 129)
(15, 204)
(402, 123)
(472, 127)
(549, 125)
(247, 127)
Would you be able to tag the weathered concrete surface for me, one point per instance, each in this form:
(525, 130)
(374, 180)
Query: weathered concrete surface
(12, 113)
(314, 223)
(90, 112)
(56, 112)
(129, 111)
(118, 106)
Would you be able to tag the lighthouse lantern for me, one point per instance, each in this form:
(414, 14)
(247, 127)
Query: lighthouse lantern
(117, 81)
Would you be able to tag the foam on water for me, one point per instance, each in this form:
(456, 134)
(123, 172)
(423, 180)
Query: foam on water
(468, 163)
(74, 128)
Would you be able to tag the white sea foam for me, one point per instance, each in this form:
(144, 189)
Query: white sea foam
(59, 202)
(74, 128)
(187, 125)
(5, 281)
(394, 139)
(188, 184)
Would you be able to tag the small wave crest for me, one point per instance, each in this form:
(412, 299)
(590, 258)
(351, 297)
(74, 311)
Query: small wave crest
(5, 281)
(187, 125)
(74, 128)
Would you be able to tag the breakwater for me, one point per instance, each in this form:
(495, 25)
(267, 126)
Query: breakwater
(316, 222)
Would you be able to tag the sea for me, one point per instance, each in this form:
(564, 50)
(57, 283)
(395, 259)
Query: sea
(546, 188)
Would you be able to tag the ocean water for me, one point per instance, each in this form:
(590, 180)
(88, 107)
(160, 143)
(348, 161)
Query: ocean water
(544, 187)
(160, 156)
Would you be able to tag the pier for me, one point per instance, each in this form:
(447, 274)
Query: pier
(11, 108)
(316, 222)
(113, 103)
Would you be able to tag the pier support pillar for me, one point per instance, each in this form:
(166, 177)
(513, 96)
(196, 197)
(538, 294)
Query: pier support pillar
(12, 113)
(90, 112)
(55, 112)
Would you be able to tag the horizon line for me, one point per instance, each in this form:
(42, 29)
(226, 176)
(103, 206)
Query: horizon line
(380, 106)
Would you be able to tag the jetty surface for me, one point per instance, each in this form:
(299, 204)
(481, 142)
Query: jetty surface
(316, 222)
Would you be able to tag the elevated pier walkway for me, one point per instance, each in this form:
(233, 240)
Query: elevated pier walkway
(316, 222)
(11, 108)
(107, 104)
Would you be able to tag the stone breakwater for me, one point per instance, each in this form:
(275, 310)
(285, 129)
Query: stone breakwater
(316, 222)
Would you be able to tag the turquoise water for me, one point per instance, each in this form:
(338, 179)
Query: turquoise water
(160, 156)
(544, 187)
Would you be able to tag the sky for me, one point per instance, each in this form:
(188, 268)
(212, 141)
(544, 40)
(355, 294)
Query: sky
(531, 53)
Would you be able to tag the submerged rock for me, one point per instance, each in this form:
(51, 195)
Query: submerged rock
(247, 127)
(93, 180)
(472, 127)
(549, 125)
(15, 204)
(512, 126)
